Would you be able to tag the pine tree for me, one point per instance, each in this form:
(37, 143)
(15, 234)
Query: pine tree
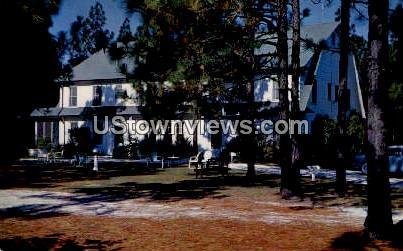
(87, 35)
(125, 34)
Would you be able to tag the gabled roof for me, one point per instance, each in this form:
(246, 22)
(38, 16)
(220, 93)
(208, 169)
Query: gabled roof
(314, 33)
(98, 66)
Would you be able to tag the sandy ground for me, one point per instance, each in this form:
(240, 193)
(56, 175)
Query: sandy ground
(170, 210)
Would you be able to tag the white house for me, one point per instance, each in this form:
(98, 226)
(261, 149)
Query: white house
(97, 88)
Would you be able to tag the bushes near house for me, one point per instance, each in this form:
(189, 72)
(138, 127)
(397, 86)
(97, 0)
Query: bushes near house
(320, 146)
(149, 146)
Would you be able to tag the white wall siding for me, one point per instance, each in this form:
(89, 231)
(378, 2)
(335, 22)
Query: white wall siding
(85, 94)
(328, 72)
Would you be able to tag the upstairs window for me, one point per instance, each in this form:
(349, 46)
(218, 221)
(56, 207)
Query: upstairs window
(329, 92)
(97, 95)
(73, 96)
(314, 92)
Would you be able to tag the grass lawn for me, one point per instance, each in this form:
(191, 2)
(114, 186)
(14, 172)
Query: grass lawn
(168, 209)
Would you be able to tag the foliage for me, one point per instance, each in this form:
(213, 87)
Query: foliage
(30, 53)
(267, 148)
(125, 34)
(355, 132)
(44, 143)
(395, 91)
(196, 46)
(80, 138)
(149, 146)
(128, 151)
(322, 142)
(87, 35)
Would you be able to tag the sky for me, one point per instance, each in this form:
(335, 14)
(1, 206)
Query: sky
(114, 10)
(116, 14)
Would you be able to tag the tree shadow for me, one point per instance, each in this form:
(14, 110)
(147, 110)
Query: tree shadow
(323, 192)
(48, 176)
(97, 199)
(359, 240)
(355, 241)
(53, 242)
(209, 186)
(30, 212)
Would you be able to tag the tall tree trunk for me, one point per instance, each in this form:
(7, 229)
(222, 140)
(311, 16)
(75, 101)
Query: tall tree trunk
(342, 147)
(286, 188)
(296, 152)
(250, 146)
(379, 218)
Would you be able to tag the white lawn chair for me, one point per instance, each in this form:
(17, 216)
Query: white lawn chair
(194, 160)
(43, 156)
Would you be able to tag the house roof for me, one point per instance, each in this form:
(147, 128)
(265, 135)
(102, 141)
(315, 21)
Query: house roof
(46, 112)
(314, 33)
(98, 66)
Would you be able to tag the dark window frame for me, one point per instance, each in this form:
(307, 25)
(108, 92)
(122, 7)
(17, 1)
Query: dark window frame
(97, 95)
(329, 91)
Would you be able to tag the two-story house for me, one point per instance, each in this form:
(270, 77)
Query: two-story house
(97, 87)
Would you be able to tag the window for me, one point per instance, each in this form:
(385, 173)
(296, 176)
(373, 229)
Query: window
(329, 91)
(314, 92)
(73, 96)
(119, 92)
(275, 90)
(336, 93)
(73, 125)
(97, 95)
(39, 130)
(44, 130)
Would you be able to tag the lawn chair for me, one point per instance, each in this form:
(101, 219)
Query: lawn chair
(43, 156)
(201, 162)
(194, 160)
(55, 157)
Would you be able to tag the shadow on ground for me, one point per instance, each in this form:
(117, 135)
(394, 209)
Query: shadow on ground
(172, 184)
(48, 176)
(358, 241)
(189, 188)
(53, 242)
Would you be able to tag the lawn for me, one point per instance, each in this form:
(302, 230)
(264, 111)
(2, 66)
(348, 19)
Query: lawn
(128, 207)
